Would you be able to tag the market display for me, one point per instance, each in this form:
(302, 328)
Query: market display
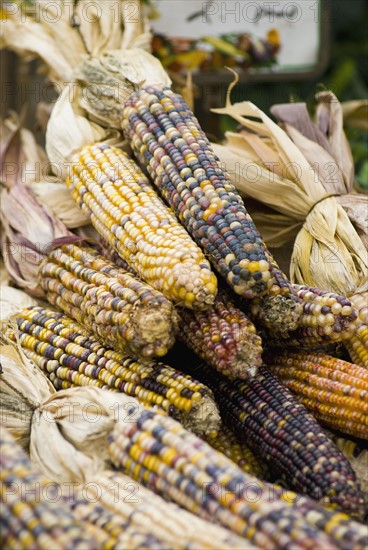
(131, 245)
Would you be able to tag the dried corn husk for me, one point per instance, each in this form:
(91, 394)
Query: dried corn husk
(61, 33)
(28, 232)
(23, 161)
(67, 432)
(278, 168)
(12, 300)
(22, 388)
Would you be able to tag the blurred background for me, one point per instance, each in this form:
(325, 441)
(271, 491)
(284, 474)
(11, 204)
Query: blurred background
(343, 69)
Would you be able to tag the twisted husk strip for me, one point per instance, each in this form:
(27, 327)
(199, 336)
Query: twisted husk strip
(298, 176)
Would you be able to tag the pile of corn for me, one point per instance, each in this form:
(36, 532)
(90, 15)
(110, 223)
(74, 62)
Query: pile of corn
(230, 428)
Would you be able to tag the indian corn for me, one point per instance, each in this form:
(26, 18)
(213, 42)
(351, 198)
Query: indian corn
(224, 337)
(143, 510)
(117, 307)
(280, 431)
(166, 138)
(33, 514)
(335, 391)
(130, 216)
(326, 317)
(71, 357)
(159, 452)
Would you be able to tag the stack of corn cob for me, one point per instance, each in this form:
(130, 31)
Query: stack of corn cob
(160, 286)
(160, 452)
(71, 357)
(36, 515)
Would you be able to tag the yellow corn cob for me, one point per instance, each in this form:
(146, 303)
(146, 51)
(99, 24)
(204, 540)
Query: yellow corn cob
(111, 303)
(335, 391)
(71, 357)
(128, 213)
(357, 346)
(227, 443)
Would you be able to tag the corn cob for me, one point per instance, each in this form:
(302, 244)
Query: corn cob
(224, 337)
(33, 515)
(279, 430)
(159, 452)
(130, 216)
(143, 508)
(228, 444)
(166, 138)
(122, 533)
(326, 317)
(357, 346)
(114, 305)
(335, 391)
(71, 357)
(114, 502)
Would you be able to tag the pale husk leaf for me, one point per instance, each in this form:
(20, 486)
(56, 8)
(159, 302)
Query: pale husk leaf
(13, 300)
(22, 160)
(323, 164)
(329, 118)
(260, 183)
(107, 81)
(26, 35)
(297, 116)
(62, 32)
(22, 388)
(68, 131)
(29, 230)
(76, 423)
(291, 161)
(57, 198)
(4, 277)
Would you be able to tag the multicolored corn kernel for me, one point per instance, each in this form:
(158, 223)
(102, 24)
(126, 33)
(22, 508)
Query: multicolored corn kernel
(118, 308)
(33, 514)
(133, 219)
(228, 444)
(326, 317)
(71, 357)
(357, 345)
(224, 337)
(143, 509)
(110, 254)
(281, 432)
(161, 454)
(166, 138)
(123, 534)
(335, 391)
